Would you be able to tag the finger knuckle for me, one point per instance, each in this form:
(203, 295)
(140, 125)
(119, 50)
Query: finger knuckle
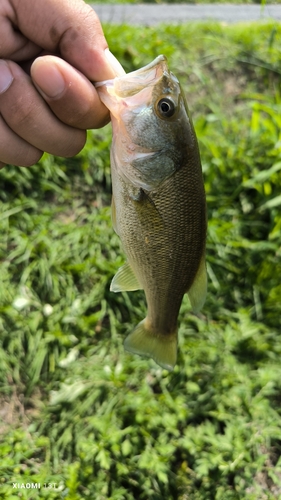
(23, 112)
(76, 144)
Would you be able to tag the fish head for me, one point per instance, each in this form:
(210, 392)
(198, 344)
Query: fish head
(152, 129)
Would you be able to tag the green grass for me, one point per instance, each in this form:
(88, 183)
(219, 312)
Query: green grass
(75, 409)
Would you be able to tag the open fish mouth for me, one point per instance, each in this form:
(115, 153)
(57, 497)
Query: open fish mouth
(131, 83)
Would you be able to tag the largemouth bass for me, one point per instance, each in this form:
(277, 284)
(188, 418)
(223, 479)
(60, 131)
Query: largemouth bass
(158, 203)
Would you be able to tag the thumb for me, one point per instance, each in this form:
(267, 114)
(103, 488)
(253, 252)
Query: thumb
(69, 94)
(70, 29)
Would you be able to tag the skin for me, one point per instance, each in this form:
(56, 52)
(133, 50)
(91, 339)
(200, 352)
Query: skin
(50, 52)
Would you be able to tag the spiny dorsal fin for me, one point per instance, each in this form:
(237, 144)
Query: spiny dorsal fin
(125, 280)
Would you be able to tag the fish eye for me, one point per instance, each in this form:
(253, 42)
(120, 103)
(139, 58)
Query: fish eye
(166, 107)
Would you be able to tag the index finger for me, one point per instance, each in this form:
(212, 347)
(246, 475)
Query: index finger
(69, 28)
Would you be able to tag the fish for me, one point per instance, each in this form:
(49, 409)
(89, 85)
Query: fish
(158, 203)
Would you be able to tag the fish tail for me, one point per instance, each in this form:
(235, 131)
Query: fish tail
(162, 348)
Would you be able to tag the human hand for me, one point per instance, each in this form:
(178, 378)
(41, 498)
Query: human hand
(48, 101)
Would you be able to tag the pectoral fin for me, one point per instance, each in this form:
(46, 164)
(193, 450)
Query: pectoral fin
(161, 348)
(198, 291)
(125, 280)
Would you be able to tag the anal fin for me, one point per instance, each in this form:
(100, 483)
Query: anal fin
(125, 280)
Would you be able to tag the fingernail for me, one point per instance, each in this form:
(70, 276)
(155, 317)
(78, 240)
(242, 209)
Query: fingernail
(6, 77)
(114, 63)
(47, 78)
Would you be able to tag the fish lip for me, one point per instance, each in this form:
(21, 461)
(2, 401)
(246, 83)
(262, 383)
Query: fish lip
(143, 78)
(104, 82)
(146, 75)
(160, 60)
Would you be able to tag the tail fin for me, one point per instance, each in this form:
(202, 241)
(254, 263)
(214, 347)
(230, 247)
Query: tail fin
(161, 348)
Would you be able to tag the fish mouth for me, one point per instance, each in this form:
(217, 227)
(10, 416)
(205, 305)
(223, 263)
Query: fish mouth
(160, 63)
(132, 83)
